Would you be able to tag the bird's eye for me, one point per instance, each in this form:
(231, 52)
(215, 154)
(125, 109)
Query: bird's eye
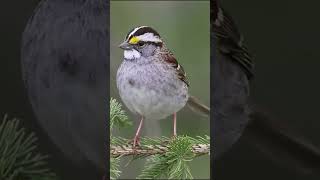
(141, 43)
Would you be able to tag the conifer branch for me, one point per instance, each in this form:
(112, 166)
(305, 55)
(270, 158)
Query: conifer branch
(127, 150)
(19, 158)
(166, 157)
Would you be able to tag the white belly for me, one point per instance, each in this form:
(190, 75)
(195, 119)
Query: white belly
(151, 104)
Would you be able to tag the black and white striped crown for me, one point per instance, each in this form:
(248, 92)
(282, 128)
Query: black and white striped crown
(143, 33)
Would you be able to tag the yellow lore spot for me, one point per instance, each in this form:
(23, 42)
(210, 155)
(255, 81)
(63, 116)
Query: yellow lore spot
(134, 40)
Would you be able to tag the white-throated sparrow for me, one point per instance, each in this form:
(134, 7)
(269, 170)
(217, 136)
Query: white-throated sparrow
(150, 80)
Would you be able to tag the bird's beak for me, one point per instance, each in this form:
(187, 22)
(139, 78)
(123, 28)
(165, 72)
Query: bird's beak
(125, 46)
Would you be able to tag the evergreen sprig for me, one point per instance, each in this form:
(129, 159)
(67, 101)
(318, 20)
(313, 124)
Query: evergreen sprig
(120, 119)
(173, 164)
(18, 156)
(168, 157)
(114, 167)
(117, 115)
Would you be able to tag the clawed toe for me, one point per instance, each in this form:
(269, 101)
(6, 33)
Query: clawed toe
(135, 142)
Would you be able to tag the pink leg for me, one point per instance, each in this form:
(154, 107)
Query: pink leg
(174, 124)
(137, 136)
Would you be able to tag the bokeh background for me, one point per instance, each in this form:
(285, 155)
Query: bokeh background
(283, 37)
(184, 27)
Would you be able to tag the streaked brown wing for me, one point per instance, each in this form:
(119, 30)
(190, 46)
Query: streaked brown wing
(179, 69)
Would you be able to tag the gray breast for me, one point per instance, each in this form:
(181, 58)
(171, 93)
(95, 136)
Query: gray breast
(151, 89)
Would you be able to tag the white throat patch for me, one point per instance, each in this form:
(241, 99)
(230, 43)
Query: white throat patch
(131, 54)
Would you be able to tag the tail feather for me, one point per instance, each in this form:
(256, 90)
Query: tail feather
(195, 105)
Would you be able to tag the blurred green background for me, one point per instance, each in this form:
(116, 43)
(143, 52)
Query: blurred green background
(184, 27)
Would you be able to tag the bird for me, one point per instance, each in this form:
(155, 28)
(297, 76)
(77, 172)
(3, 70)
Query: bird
(232, 68)
(64, 62)
(150, 81)
(235, 116)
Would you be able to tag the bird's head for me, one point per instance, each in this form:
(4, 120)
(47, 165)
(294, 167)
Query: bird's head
(141, 41)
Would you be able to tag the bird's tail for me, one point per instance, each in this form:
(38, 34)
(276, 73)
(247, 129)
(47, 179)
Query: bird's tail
(285, 148)
(282, 146)
(195, 105)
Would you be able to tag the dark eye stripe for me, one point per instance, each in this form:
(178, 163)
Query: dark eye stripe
(141, 43)
(151, 42)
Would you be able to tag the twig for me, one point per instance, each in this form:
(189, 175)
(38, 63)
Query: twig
(148, 150)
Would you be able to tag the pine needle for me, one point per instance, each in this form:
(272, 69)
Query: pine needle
(18, 156)
(174, 164)
(167, 158)
(117, 115)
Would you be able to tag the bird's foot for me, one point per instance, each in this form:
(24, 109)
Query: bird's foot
(135, 142)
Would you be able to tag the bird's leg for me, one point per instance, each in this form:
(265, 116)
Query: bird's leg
(137, 136)
(174, 124)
